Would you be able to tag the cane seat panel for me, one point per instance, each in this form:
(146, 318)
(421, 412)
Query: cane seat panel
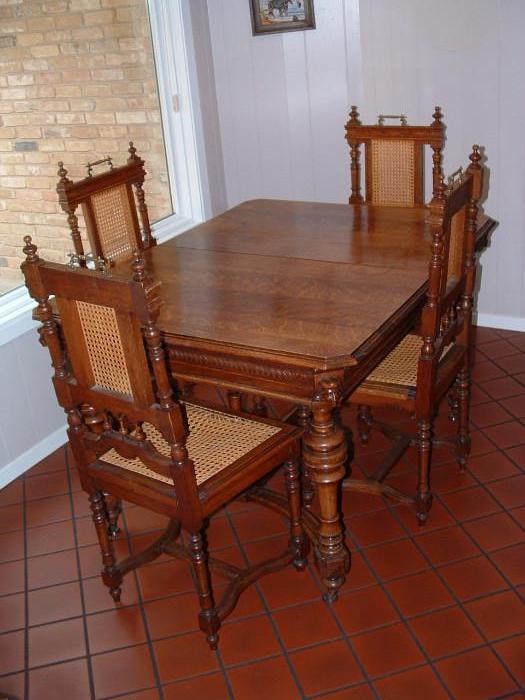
(393, 172)
(114, 221)
(216, 441)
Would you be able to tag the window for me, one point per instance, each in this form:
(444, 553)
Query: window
(78, 81)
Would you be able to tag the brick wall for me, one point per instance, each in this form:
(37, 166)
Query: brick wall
(77, 82)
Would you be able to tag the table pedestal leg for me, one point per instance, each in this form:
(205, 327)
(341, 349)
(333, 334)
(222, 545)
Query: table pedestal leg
(324, 457)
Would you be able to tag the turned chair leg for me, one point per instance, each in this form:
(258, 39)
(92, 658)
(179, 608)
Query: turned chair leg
(113, 511)
(111, 576)
(364, 422)
(463, 395)
(293, 490)
(453, 403)
(423, 500)
(208, 619)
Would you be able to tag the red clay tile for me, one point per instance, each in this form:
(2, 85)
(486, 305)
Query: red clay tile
(498, 615)
(122, 671)
(437, 518)
(266, 679)
(11, 577)
(48, 510)
(519, 516)
(512, 651)
(12, 546)
(356, 692)
(480, 444)
(45, 485)
(470, 503)
(448, 478)
(417, 683)
(69, 680)
(97, 597)
(12, 613)
(257, 524)
(419, 593)
(184, 656)
(12, 494)
(516, 405)
(506, 435)
(248, 640)
(499, 348)
(287, 587)
(86, 533)
(50, 538)
(49, 569)
(444, 546)
(117, 628)
(511, 561)
(473, 578)
(140, 520)
(509, 492)
(478, 396)
(11, 518)
(169, 616)
(373, 528)
(310, 623)
(489, 467)
(54, 603)
(151, 694)
(396, 559)
(517, 454)
(365, 609)
(212, 686)
(13, 686)
(387, 650)
(445, 632)
(220, 534)
(325, 667)
(502, 388)
(56, 642)
(485, 370)
(11, 652)
(488, 414)
(91, 558)
(81, 508)
(52, 463)
(359, 575)
(475, 675)
(495, 531)
(484, 335)
(165, 579)
(512, 364)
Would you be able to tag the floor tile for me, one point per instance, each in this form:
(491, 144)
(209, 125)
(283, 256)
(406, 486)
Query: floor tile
(502, 388)
(496, 349)
(122, 671)
(511, 561)
(11, 577)
(449, 478)
(470, 503)
(117, 628)
(517, 454)
(45, 485)
(515, 405)
(512, 651)
(266, 679)
(489, 467)
(170, 616)
(495, 531)
(498, 615)
(12, 613)
(50, 538)
(287, 587)
(97, 597)
(49, 569)
(387, 650)
(419, 593)
(361, 691)
(417, 683)
(68, 680)
(211, 686)
(12, 494)
(325, 667)
(509, 492)
(248, 640)
(445, 632)
(257, 524)
(11, 518)
(48, 510)
(184, 656)
(11, 652)
(360, 574)
(165, 579)
(374, 528)
(151, 694)
(444, 546)
(396, 558)
(58, 641)
(309, 623)
(12, 546)
(52, 463)
(506, 435)
(54, 603)
(473, 578)
(475, 675)
(362, 610)
(489, 414)
(438, 518)
(13, 686)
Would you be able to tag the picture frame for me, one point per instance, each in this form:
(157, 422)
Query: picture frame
(271, 16)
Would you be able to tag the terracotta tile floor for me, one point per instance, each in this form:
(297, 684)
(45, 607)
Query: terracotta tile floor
(425, 613)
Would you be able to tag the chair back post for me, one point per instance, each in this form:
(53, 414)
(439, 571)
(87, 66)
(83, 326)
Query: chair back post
(355, 167)
(70, 208)
(149, 239)
(437, 148)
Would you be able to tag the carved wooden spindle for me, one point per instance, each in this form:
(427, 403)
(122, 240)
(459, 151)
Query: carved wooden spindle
(208, 619)
(364, 421)
(325, 457)
(424, 496)
(113, 511)
(111, 575)
(293, 490)
(303, 416)
(260, 407)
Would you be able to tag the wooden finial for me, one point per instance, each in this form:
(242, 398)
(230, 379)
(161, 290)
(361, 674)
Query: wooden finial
(475, 156)
(438, 116)
(354, 116)
(62, 173)
(138, 267)
(132, 152)
(30, 250)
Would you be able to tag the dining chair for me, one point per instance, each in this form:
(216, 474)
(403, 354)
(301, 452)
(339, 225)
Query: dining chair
(422, 368)
(112, 202)
(133, 439)
(394, 172)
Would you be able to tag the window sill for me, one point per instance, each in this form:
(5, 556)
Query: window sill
(16, 306)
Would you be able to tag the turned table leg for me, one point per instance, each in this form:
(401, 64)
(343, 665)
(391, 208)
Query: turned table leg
(324, 457)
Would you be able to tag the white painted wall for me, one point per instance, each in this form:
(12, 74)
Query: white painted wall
(31, 423)
(283, 100)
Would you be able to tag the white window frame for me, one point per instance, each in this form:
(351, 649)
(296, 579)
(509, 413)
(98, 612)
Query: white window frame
(181, 120)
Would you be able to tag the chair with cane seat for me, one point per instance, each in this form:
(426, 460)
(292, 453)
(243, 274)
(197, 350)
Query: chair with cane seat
(132, 439)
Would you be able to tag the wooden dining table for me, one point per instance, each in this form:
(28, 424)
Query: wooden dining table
(299, 301)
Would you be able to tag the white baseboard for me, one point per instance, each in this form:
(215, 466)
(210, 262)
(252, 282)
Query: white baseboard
(32, 456)
(506, 323)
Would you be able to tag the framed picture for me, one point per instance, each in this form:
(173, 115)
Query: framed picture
(270, 16)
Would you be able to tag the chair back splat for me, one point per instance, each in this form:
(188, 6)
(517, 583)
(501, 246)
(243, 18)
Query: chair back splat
(132, 439)
(394, 174)
(110, 201)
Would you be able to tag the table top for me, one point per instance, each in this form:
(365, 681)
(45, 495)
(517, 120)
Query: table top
(305, 281)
